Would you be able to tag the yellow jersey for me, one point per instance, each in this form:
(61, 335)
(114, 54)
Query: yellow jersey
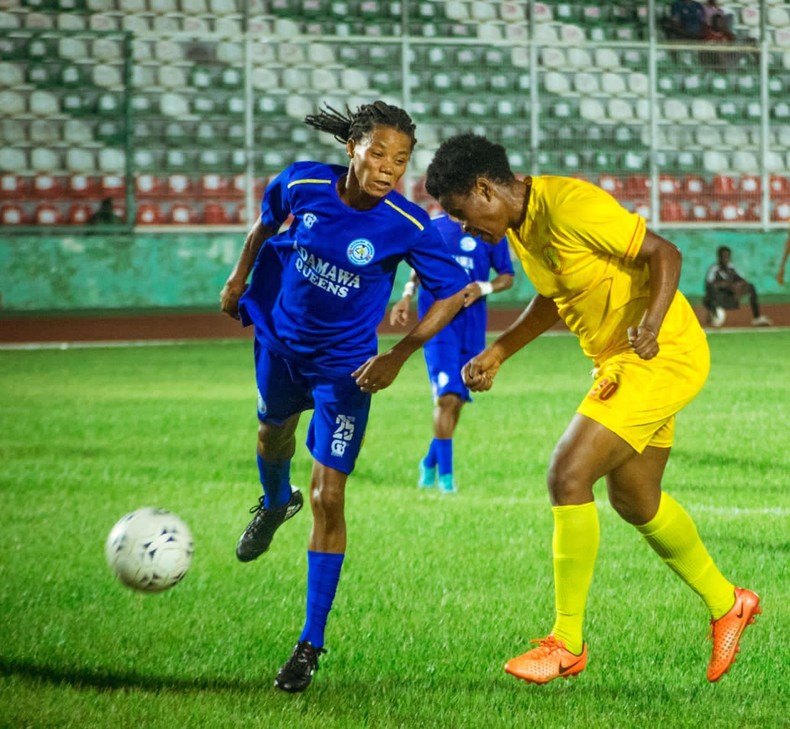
(578, 245)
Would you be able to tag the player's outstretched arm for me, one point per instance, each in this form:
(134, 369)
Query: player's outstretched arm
(477, 289)
(236, 284)
(663, 260)
(540, 315)
(379, 371)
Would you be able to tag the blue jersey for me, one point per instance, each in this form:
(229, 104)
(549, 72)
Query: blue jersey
(320, 288)
(477, 259)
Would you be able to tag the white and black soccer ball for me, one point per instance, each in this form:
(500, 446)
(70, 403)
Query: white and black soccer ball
(149, 549)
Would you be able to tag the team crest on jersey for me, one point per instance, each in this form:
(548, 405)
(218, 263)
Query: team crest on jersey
(468, 243)
(309, 219)
(552, 258)
(360, 252)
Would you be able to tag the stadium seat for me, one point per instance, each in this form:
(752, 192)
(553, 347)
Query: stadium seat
(612, 184)
(731, 212)
(13, 186)
(212, 186)
(178, 185)
(701, 212)
(79, 214)
(181, 214)
(48, 186)
(149, 214)
(749, 185)
(672, 212)
(637, 187)
(113, 186)
(215, 214)
(779, 185)
(47, 214)
(693, 186)
(83, 186)
(668, 186)
(781, 210)
(12, 214)
(723, 186)
(715, 162)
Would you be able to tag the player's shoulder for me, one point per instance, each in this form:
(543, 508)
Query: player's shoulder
(406, 213)
(311, 174)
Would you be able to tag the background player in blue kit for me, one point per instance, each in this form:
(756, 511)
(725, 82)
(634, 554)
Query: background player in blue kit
(318, 291)
(449, 350)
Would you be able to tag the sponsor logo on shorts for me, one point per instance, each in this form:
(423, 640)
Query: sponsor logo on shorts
(604, 389)
(343, 434)
(360, 251)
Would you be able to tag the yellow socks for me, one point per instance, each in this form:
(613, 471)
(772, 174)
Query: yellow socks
(575, 547)
(674, 537)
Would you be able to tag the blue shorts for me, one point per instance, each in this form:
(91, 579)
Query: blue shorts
(445, 355)
(340, 417)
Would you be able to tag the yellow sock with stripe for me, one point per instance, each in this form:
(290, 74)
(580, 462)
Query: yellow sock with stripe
(674, 537)
(575, 547)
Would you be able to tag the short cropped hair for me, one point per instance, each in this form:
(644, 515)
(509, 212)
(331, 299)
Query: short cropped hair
(460, 160)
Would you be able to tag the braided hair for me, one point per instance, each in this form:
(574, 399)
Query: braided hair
(460, 160)
(355, 125)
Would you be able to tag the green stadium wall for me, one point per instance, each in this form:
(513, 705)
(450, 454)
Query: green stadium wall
(58, 273)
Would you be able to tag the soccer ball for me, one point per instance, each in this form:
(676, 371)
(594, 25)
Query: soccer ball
(149, 549)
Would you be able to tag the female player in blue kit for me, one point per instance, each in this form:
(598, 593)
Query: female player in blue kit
(318, 292)
(462, 339)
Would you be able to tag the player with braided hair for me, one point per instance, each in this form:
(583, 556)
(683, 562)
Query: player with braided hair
(317, 294)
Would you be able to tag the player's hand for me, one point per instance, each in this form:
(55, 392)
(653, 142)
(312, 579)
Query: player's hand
(229, 298)
(378, 372)
(472, 293)
(479, 372)
(643, 341)
(399, 314)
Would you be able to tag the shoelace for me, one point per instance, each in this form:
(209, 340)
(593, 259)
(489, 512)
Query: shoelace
(304, 655)
(549, 644)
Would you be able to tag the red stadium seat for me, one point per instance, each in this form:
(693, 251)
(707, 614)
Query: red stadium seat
(48, 186)
(672, 212)
(113, 186)
(215, 214)
(779, 186)
(149, 214)
(668, 186)
(12, 214)
(178, 185)
(731, 212)
(47, 214)
(211, 186)
(637, 187)
(79, 214)
(83, 186)
(781, 211)
(613, 185)
(642, 207)
(749, 185)
(13, 187)
(181, 214)
(753, 211)
(149, 185)
(723, 186)
(701, 212)
(693, 186)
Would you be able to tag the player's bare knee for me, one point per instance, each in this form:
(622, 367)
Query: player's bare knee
(327, 502)
(567, 485)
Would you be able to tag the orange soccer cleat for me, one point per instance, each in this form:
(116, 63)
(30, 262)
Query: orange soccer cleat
(548, 661)
(727, 630)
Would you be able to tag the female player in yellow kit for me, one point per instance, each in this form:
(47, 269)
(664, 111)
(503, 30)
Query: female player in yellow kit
(614, 284)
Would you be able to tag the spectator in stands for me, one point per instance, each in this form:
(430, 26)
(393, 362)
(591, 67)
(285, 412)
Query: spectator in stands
(105, 215)
(457, 343)
(686, 20)
(319, 288)
(717, 33)
(724, 288)
(614, 283)
(780, 274)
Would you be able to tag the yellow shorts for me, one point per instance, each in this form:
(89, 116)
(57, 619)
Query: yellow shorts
(637, 399)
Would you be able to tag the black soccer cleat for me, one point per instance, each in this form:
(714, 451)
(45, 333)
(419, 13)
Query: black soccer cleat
(297, 673)
(258, 535)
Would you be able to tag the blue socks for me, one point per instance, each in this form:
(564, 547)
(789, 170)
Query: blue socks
(323, 574)
(276, 481)
(440, 452)
(444, 455)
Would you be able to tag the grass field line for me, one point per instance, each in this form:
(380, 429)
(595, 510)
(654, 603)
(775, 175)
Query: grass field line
(127, 343)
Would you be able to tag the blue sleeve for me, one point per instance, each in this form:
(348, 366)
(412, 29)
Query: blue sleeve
(276, 203)
(500, 258)
(439, 272)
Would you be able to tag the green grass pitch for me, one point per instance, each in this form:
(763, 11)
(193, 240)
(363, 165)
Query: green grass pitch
(436, 593)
